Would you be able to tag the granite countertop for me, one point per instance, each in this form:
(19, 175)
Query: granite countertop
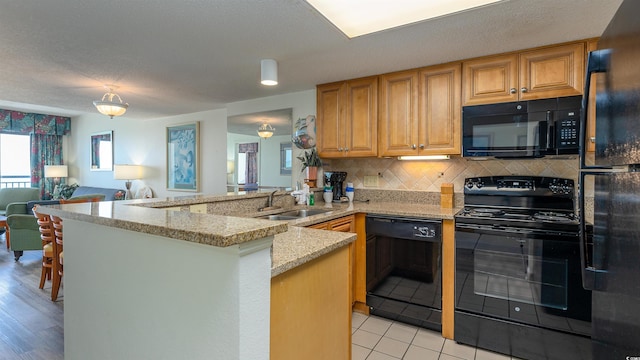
(293, 244)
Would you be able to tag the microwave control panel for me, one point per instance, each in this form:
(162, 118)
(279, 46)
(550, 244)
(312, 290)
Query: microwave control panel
(567, 129)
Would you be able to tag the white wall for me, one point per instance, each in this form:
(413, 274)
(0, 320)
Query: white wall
(144, 143)
(303, 104)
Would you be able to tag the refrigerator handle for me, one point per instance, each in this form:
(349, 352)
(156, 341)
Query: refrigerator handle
(592, 254)
(597, 62)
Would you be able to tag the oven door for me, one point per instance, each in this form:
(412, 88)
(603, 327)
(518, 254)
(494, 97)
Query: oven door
(526, 276)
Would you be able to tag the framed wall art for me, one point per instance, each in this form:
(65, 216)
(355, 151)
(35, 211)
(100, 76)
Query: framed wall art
(183, 147)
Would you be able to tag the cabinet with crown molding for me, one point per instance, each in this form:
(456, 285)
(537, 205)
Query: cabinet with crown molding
(546, 72)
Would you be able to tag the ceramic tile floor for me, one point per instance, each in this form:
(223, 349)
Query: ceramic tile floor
(376, 338)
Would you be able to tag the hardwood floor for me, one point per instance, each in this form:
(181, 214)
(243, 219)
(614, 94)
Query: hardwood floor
(31, 325)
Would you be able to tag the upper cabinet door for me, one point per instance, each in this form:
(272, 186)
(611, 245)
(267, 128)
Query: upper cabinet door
(440, 109)
(490, 80)
(362, 118)
(347, 119)
(552, 72)
(398, 123)
(536, 74)
(331, 107)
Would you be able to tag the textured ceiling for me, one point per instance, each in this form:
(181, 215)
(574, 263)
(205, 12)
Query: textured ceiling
(172, 57)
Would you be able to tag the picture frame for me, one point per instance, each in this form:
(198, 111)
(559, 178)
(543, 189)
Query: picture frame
(101, 151)
(183, 157)
(286, 157)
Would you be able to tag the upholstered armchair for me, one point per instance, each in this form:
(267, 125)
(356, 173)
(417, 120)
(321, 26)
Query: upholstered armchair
(23, 229)
(11, 195)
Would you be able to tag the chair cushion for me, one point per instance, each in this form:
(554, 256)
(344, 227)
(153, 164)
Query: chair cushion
(47, 250)
(31, 204)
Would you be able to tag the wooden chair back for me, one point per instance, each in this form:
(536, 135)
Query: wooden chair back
(83, 200)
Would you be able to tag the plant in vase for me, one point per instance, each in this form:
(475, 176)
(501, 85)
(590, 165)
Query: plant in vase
(310, 162)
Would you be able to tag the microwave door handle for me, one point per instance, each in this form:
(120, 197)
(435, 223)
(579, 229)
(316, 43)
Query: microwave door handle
(597, 62)
(593, 264)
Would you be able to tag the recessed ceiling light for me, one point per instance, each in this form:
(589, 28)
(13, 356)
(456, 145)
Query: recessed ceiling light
(361, 17)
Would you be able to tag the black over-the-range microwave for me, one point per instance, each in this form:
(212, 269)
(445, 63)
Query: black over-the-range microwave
(522, 129)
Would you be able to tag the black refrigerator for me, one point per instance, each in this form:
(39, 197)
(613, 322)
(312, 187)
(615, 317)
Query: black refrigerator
(610, 188)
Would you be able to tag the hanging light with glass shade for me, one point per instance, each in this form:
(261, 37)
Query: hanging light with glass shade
(265, 131)
(107, 105)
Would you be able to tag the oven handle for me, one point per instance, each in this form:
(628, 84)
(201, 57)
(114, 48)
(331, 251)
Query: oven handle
(593, 269)
(506, 229)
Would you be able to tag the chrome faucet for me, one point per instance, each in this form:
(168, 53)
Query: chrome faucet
(270, 200)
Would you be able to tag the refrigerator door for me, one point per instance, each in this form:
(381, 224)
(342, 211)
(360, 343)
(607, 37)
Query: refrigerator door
(616, 256)
(618, 97)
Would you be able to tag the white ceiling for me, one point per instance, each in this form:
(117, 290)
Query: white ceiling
(172, 57)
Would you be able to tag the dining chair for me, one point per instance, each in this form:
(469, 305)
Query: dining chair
(47, 236)
(58, 257)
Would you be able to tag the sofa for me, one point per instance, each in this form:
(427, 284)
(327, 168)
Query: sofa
(23, 233)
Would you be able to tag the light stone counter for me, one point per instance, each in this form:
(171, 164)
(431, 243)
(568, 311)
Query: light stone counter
(293, 244)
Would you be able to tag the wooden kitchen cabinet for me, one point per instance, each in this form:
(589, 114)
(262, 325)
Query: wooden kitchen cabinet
(357, 254)
(347, 118)
(420, 111)
(548, 72)
(310, 313)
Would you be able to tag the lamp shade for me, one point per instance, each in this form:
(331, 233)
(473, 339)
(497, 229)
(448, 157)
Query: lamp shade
(127, 172)
(268, 72)
(56, 171)
(108, 104)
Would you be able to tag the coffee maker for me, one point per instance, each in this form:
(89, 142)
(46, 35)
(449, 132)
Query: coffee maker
(336, 180)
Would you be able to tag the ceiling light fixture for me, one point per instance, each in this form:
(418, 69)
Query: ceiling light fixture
(268, 72)
(425, 157)
(265, 131)
(360, 17)
(107, 106)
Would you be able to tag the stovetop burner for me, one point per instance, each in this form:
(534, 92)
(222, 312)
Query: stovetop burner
(554, 216)
(532, 202)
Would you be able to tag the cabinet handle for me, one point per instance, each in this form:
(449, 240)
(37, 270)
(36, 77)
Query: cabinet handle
(513, 90)
(421, 146)
(413, 146)
(592, 139)
(524, 89)
(346, 149)
(339, 149)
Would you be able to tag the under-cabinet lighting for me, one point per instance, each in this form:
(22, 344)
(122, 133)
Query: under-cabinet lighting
(360, 17)
(425, 157)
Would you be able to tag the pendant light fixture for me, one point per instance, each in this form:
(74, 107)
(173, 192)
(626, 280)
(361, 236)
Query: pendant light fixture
(107, 106)
(268, 72)
(265, 131)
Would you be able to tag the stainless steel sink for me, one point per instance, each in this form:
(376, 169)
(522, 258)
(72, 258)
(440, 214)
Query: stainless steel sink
(303, 212)
(295, 214)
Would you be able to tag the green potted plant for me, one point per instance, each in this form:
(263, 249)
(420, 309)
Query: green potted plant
(310, 162)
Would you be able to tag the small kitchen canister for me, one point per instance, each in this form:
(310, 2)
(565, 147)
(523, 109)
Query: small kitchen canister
(349, 191)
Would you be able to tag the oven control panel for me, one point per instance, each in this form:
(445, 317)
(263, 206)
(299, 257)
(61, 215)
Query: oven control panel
(513, 185)
(561, 186)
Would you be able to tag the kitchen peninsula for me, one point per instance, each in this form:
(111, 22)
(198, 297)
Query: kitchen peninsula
(188, 277)
(143, 282)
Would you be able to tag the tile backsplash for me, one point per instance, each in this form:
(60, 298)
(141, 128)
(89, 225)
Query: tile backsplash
(430, 175)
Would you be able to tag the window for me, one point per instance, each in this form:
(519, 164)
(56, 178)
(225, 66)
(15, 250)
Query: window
(15, 161)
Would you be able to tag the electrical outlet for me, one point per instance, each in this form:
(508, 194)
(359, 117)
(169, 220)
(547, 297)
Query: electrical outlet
(370, 180)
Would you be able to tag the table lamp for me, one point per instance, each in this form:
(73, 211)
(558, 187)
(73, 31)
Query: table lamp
(56, 172)
(128, 173)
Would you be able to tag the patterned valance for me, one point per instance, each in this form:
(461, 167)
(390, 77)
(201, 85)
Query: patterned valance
(16, 122)
(248, 147)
